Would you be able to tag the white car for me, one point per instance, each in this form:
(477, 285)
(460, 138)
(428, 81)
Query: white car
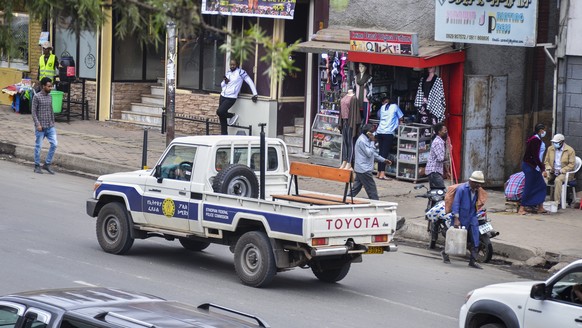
(557, 302)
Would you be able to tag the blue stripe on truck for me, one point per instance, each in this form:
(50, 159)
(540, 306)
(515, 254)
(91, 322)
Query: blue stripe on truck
(131, 193)
(278, 223)
(221, 214)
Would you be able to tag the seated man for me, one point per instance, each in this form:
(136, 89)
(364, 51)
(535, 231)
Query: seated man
(514, 186)
(560, 158)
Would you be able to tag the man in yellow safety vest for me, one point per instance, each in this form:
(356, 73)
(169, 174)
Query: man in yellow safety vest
(47, 63)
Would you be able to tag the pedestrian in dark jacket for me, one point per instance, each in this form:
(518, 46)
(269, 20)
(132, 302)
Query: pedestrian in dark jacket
(534, 191)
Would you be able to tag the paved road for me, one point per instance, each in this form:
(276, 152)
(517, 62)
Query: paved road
(48, 241)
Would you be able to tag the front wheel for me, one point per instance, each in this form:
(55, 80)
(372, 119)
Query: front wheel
(434, 234)
(331, 271)
(112, 229)
(485, 249)
(254, 261)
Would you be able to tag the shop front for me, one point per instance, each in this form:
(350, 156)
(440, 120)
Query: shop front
(382, 65)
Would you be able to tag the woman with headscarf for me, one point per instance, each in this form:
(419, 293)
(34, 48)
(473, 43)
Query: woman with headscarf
(534, 191)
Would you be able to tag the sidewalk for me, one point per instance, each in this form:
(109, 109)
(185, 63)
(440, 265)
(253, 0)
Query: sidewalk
(93, 148)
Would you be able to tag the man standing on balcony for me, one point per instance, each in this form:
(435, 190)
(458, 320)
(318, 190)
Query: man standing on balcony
(231, 85)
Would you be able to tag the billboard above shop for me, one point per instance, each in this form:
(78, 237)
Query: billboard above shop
(250, 8)
(389, 43)
(507, 23)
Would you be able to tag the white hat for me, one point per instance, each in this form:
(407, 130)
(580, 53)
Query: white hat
(46, 45)
(558, 137)
(477, 176)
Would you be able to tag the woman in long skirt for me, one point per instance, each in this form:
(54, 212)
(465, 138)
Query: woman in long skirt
(534, 191)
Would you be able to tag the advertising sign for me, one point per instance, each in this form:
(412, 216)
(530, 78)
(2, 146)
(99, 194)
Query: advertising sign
(253, 8)
(495, 22)
(390, 43)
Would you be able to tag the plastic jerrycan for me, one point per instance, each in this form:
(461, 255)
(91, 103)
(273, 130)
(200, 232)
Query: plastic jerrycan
(456, 241)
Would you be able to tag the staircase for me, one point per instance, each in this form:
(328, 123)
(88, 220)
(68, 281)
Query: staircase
(149, 111)
(293, 137)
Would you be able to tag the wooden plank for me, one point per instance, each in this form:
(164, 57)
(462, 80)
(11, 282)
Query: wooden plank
(321, 172)
(335, 198)
(307, 200)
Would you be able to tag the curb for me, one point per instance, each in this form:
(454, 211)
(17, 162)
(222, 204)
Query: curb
(417, 231)
(87, 166)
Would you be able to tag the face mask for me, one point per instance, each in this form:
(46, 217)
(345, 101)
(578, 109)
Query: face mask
(444, 136)
(557, 145)
(543, 134)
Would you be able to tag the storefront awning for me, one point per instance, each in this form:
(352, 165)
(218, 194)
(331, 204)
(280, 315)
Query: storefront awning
(430, 53)
(327, 39)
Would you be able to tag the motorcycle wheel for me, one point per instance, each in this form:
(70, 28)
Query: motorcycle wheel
(434, 234)
(485, 249)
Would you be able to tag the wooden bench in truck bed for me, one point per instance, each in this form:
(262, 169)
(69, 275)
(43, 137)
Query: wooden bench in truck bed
(324, 173)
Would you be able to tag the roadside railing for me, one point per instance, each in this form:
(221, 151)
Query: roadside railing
(204, 120)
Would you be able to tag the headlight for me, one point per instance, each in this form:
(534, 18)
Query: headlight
(469, 294)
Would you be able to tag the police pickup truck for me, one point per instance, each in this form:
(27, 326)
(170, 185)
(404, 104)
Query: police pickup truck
(204, 189)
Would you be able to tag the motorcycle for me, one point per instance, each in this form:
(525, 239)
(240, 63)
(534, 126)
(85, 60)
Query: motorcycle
(439, 222)
(434, 227)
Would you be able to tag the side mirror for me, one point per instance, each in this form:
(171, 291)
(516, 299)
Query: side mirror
(538, 292)
(158, 173)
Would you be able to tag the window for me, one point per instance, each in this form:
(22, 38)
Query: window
(83, 48)
(569, 288)
(200, 61)
(8, 316)
(240, 156)
(73, 323)
(133, 61)
(178, 163)
(18, 58)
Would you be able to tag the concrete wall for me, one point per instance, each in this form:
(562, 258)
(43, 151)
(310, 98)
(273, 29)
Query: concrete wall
(569, 113)
(196, 105)
(90, 95)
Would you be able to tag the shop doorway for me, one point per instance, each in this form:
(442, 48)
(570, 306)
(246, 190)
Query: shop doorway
(484, 122)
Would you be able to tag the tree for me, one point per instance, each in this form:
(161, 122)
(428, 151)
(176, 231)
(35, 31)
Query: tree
(146, 19)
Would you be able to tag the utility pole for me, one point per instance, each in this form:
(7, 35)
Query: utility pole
(170, 82)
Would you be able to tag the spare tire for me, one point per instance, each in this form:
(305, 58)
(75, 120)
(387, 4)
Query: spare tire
(237, 180)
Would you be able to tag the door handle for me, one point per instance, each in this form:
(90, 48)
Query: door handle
(578, 320)
(155, 190)
(183, 193)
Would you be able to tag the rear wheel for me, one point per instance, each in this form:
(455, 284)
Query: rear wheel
(485, 249)
(331, 271)
(193, 245)
(112, 229)
(254, 261)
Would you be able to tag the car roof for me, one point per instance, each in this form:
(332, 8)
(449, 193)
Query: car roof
(222, 140)
(112, 305)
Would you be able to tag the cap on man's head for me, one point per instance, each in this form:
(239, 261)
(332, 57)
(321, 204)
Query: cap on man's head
(46, 45)
(558, 137)
(477, 176)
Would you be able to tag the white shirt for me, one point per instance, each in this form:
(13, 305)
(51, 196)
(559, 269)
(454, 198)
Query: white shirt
(236, 78)
(558, 161)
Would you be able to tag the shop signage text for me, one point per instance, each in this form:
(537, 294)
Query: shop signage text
(252, 8)
(506, 22)
(384, 42)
